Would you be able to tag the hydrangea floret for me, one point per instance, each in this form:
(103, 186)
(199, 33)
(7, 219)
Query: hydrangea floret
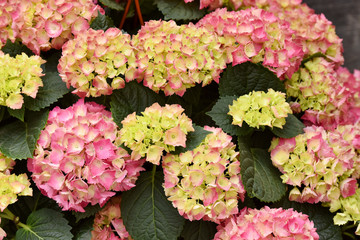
(260, 109)
(329, 96)
(76, 160)
(267, 223)
(6, 164)
(45, 24)
(173, 58)
(108, 223)
(321, 165)
(158, 129)
(347, 210)
(205, 183)
(18, 76)
(11, 185)
(94, 58)
(258, 36)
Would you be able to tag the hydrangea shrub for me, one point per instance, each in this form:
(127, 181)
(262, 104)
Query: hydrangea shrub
(211, 119)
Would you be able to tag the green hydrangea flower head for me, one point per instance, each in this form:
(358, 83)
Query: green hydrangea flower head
(259, 109)
(158, 129)
(19, 75)
(348, 209)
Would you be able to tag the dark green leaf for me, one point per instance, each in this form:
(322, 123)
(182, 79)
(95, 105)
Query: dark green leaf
(83, 232)
(323, 219)
(102, 22)
(133, 98)
(18, 139)
(193, 139)
(199, 230)
(219, 113)
(17, 113)
(292, 128)
(112, 4)
(260, 178)
(45, 224)
(16, 48)
(247, 77)
(53, 89)
(147, 213)
(179, 10)
(90, 210)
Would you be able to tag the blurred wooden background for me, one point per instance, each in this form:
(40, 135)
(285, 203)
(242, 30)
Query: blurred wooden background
(345, 15)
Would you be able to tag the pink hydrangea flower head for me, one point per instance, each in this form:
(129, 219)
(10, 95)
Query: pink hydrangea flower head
(267, 223)
(93, 57)
(324, 164)
(108, 223)
(259, 109)
(258, 36)
(328, 95)
(18, 76)
(42, 25)
(158, 129)
(77, 161)
(205, 183)
(316, 33)
(173, 58)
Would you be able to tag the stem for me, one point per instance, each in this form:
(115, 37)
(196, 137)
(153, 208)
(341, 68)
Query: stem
(138, 11)
(153, 171)
(349, 235)
(36, 203)
(125, 13)
(7, 214)
(345, 228)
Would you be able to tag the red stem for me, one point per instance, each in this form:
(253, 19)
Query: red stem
(138, 11)
(125, 13)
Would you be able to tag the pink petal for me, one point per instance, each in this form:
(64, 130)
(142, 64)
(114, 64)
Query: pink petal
(53, 28)
(104, 149)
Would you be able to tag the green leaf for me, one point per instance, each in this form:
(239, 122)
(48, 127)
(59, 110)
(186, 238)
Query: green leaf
(133, 98)
(84, 230)
(199, 230)
(219, 113)
(260, 178)
(18, 139)
(292, 128)
(45, 224)
(90, 210)
(102, 22)
(147, 213)
(17, 113)
(179, 10)
(247, 77)
(323, 219)
(112, 4)
(193, 139)
(16, 48)
(53, 89)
